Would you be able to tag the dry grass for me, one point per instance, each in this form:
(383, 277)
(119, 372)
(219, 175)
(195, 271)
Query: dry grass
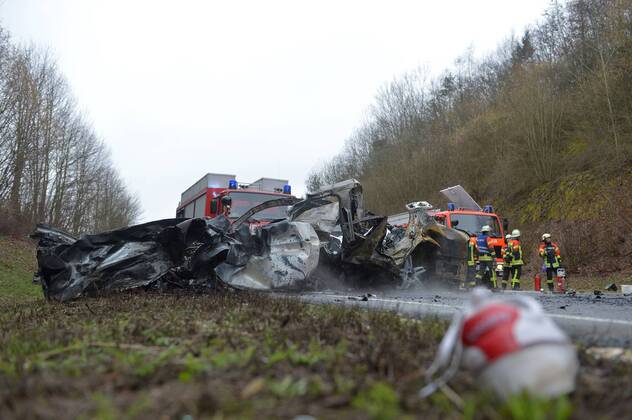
(238, 355)
(17, 265)
(148, 355)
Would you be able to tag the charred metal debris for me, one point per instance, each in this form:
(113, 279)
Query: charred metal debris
(328, 239)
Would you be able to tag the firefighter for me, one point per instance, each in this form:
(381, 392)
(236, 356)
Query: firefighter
(516, 262)
(507, 257)
(485, 251)
(226, 204)
(550, 253)
(470, 276)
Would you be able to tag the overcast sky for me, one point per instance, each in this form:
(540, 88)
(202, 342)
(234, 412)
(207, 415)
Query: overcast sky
(255, 88)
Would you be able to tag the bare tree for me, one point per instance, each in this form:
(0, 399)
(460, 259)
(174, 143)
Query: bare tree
(53, 167)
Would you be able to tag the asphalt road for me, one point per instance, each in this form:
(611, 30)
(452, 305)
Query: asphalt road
(591, 320)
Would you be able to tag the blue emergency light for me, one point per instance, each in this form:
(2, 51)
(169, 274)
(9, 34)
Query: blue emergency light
(451, 206)
(232, 184)
(488, 209)
(287, 189)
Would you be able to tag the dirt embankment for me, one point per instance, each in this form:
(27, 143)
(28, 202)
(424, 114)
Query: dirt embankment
(589, 216)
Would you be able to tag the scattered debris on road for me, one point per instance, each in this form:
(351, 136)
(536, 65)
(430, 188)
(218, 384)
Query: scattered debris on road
(364, 298)
(611, 287)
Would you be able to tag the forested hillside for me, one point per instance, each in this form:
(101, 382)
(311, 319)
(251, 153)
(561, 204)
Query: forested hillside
(542, 128)
(53, 166)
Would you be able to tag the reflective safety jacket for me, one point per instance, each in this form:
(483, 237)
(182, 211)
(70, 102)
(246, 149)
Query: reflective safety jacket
(551, 254)
(471, 253)
(507, 255)
(484, 249)
(516, 253)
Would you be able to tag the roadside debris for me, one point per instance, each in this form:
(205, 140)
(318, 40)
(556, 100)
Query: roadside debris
(512, 343)
(364, 298)
(611, 287)
(611, 353)
(597, 293)
(626, 289)
(327, 235)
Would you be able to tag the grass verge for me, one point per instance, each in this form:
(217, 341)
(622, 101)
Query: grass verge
(243, 355)
(239, 355)
(17, 265)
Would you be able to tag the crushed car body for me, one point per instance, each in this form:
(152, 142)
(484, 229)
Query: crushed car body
(363, 249)
(327, 236)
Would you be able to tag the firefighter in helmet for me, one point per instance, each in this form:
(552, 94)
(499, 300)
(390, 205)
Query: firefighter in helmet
(470, 276)
(507, 257)
(486, 274)
(517, 262)
(227, 202)
(550, 253)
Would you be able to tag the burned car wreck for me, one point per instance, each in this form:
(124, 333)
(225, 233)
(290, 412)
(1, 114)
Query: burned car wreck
(327, 239)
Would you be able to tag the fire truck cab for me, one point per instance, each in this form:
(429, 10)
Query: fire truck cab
(464, 213)
(471, 222)
(216, 194)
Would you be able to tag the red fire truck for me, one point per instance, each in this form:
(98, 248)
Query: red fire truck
(465, 214)
(471, 222)
(207, 197)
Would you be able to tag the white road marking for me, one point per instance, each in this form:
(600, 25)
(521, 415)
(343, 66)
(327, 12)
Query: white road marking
(591, 319)
(457, 307)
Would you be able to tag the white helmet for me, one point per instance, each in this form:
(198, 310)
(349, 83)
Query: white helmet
(507, 236)
(546, 236)
(515, 233)
(486, 228)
